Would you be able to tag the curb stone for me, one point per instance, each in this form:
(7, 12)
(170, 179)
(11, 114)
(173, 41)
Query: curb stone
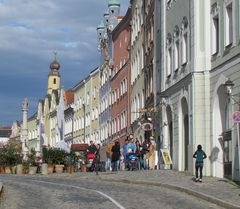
(200, 195)
(1, 187)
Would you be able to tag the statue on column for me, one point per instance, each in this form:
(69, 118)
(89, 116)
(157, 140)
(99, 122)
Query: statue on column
(25, 129)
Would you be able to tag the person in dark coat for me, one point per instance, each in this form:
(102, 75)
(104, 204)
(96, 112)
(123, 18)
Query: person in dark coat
(97, 158)
(200, 156)
(116, 155)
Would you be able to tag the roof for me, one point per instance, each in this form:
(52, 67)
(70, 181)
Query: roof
(101, 25)
(114, 3)
(5, 132)
(69, 97)
(34, 116)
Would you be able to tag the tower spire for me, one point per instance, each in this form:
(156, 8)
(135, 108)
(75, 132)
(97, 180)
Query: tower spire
(55, 55)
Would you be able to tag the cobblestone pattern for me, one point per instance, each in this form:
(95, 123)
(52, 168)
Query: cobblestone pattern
(213, 187)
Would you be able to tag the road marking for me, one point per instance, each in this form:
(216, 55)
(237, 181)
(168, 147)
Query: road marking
(85, 189)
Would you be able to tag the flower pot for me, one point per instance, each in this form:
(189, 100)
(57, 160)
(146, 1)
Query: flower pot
(2, 169)
(84, 168)
(7, 170)
(50, 168)
(19, 169)
(32, 170)
(59, 168)
(44, 168)
(70, 168)
(13, 169)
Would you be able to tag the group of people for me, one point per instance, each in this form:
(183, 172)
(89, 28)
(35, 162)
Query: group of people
(118, 158)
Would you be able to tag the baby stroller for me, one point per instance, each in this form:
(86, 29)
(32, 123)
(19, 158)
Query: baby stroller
(91, 159)
(132, 162)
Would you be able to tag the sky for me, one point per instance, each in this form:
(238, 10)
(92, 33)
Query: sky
(30, 31)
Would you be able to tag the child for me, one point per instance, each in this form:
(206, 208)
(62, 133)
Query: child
(200, 156)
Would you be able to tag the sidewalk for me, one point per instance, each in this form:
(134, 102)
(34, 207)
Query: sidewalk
(219, 191)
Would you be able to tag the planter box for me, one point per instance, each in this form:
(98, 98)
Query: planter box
(19, 169)
(7, 170)
(50, 168)
(2, 169)
(84, 168)
(59, 168)
(32, 170)
(13, 169)
(44, 169)
(70, 168)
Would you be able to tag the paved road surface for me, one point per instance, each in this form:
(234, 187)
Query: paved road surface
(39, 192)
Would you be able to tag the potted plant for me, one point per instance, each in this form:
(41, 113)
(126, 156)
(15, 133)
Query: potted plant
(11, 155)
(44, 169)
(59, 158)
(47, 166)
(2, 160)
(83, 160)
(70, 162)
(32, 162)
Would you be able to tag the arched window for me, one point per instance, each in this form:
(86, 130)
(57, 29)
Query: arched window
(184, 41)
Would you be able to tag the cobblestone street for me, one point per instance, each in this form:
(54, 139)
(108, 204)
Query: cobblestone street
(140, 189)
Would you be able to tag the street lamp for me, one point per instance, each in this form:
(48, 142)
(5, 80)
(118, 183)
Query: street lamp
(229, 86)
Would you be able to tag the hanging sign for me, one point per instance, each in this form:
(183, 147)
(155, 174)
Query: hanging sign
(147, 126)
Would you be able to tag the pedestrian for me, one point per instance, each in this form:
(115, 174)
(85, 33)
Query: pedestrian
(200, 156)
(115, 155)
(91, 148)
(97, 158)
(138, 153)
(144, 152)
(125, 151)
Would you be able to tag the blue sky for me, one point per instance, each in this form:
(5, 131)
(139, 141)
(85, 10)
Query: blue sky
(30, 30)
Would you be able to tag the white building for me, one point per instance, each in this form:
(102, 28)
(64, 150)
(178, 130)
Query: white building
(199, 52)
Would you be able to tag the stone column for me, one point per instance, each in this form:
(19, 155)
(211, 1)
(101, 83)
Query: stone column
(25, 128)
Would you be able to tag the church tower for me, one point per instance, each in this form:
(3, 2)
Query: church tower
(113, 12)
(54, 76)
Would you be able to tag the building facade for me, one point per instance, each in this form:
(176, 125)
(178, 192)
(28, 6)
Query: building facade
(68, 116)
(106, 61)
(120, 78)
(32, 132)
(137, 57)
(225, 65)
(79, 119)
(94, 94)
(184, 85)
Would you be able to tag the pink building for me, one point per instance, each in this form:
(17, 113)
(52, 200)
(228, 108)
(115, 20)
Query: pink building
(120, 82)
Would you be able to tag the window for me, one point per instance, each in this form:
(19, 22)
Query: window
(176, 55)
(215, 34)
(228, 25)
(88, 98)
(169, 61)
(94, 92)
(184, 48)
(54, 81)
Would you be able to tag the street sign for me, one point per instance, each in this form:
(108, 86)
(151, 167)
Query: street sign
(236, 117)
(147, 126)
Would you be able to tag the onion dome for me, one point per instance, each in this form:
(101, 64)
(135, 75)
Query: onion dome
(106, 14)
(54, 65)
(101, 26)
(113, 3)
